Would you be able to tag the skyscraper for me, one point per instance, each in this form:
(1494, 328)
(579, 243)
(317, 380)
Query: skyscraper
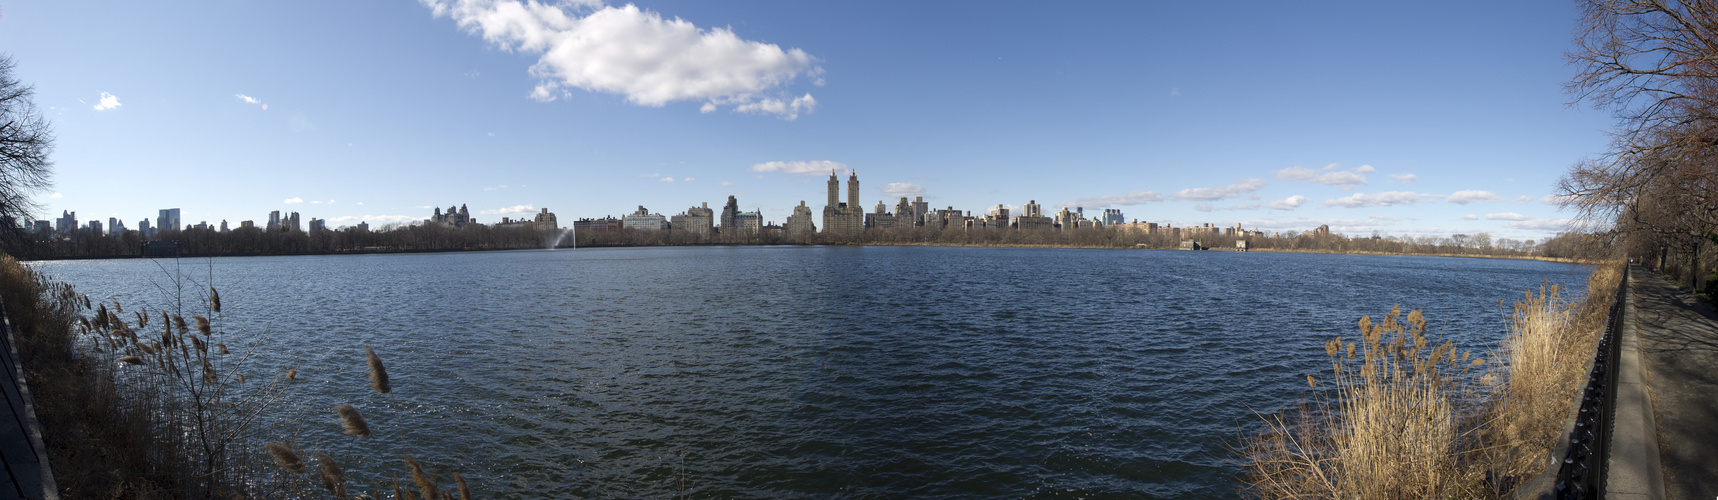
(168, 220)
(844, 219)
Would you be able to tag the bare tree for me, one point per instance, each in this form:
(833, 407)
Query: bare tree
(1654, 63)
(26, 142)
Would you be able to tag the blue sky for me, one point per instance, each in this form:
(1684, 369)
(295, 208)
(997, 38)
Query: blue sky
(1424, 118)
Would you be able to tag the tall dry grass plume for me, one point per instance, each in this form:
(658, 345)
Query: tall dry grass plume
(1549, 348)
(426, 485)
(378, 373)
(1406, 416)
(333, 478)
(159, 407)
(285, 458)
(1388, 430)
(352, 421)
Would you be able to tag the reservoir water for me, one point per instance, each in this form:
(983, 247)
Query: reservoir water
(810, 372)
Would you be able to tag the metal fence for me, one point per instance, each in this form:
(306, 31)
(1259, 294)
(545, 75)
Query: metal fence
(1582, 474)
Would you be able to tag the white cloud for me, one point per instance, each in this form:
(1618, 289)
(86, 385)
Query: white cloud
(248, 99)
(637, 53)
(1207, 207)
(666, 179)
(1289, 203)
(108, 101)
(1344, 179)
(294, 199)
(1472, 196)
(818, 167)
(788, 110)
(55, 195)
(1510, 216)
(495, 188)
(515, 209)
(1128, 198)
(1470, 217)
(725, 183)
(1217, 193)
(1523, 199)
(899, 189)
(686, 179)
(1405, 178)
(1383, 199)
(1545, 224)
(1554, 199)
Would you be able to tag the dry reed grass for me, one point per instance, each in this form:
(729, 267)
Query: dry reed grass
(352, 421)
(333, 478)
(1405, 419)
(426, 485)
(285, 458)
(378, 373)
(133, 413)
(1389, 430)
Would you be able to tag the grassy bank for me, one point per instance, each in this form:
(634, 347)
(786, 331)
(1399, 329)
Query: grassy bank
(1402, 415)
(155, 404)
(99, 445)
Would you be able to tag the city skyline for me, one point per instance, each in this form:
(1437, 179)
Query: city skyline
(1282, 118)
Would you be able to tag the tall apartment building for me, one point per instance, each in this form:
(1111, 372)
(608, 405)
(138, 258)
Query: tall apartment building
(167, 219)
(644, 220)
(273, 221)
(67, 223)
(1112, 217)
(881, 218)
(458, 218)
(696, 220)
(1033, 218)
(548, 218)
(799, 224)
(843, 219)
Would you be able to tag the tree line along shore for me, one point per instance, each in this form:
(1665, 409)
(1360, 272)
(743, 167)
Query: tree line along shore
(445, 238)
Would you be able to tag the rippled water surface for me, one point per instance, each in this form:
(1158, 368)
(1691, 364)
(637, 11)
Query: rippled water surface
(813, 371)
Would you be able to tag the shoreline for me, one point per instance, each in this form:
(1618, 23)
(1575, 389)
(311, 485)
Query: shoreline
(1564, 260)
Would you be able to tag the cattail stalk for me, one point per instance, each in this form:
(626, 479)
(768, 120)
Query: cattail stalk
(464, 492)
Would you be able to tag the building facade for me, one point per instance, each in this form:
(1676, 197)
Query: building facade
(1032, 218)
(698, 220)
(167, 219)
(455, 218)
(799, 224)
(843, 219)
(643, 220)
(1112, 217)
